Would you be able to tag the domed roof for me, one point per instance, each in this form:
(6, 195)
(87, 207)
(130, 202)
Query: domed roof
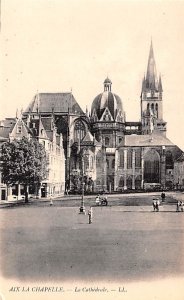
(107, 99)
(107, 80)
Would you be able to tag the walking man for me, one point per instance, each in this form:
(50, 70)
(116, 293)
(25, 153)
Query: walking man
(90, 215)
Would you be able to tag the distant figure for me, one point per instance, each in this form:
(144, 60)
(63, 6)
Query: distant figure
(163, 196)
(97, 200)
(51, 202)
(104, 200)
(181, 205)
(157, 205)
(90, 215)
(178, 206)
(154, 205)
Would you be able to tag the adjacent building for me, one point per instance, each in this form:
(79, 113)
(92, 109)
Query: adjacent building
(179, 172)
(14, 129)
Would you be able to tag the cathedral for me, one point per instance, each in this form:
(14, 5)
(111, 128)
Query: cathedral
(105, 152)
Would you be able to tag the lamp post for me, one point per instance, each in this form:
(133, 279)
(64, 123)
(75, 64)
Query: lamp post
(82, 207)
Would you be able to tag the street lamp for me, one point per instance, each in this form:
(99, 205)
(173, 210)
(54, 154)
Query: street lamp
(82, 207)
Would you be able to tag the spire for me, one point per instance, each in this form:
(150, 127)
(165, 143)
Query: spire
(143, 84)
(160, 85)
(87, 111)
(151, 75)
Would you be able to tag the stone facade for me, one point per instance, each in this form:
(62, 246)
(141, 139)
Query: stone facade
(179, 172)
(33, 128)
(104, 151)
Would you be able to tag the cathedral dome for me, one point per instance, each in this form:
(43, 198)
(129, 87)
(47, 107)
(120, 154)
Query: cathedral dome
(107, 100)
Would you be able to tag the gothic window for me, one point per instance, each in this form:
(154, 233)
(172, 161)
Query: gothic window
(121, 159)
(129, 159)
(156, 108)
(106, 141)
(152, 167)
(86, 162)
(129, 183)
(138, 182)
(79, 131)
(113, 163)
(138, 158)
(148, 106)
(121, 181)
(152, 107)
(120, 139)
(169, 160)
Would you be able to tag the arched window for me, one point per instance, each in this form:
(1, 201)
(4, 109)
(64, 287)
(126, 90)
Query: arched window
(148, 106)
(129, 159)
(86, 162)
(91, 161)
(113, 163)
(121, 159)
(121, 181)
(169, 160)
(156, 108)
(152, 167)
(79, 131)
(129, 183)
(138, 180)
(152, 106)
(138, 158)
(106, 141)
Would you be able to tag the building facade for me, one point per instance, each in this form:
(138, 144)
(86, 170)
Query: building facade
(179, 173)
(105, 152)
(46, 134)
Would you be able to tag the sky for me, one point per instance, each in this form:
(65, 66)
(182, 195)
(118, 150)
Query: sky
(59, 45)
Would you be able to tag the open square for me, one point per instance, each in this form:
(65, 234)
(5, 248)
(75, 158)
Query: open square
(123, 243)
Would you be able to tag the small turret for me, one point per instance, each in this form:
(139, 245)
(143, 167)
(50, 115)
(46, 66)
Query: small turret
(107, 85)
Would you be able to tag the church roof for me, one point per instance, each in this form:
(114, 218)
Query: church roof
(4, 132)
(147, 140)
(107, 80)
(107, 99)
(181, 158)
(57, 102)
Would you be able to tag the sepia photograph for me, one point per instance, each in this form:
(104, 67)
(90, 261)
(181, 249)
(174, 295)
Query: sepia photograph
(92, 150)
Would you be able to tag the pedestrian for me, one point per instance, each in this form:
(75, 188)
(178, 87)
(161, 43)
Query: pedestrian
(163, 196)
(105, 200)
(51, 202)
(97, 200)
(178, 206)
(157, 205)
(90, 214)
(181, 205)
(154, 205)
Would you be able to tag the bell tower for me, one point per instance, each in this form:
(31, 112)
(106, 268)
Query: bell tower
(151, 99)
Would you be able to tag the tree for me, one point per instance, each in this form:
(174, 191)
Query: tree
(23, 162)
